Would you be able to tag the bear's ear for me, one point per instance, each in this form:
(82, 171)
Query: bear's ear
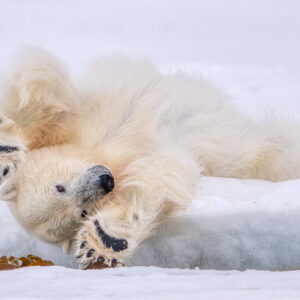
(8, 191)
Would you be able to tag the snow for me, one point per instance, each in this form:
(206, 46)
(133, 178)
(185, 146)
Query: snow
(148, 283)
(250, 49)
(233, 224)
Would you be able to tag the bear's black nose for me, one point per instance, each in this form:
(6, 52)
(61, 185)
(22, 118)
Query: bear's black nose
(106, 182)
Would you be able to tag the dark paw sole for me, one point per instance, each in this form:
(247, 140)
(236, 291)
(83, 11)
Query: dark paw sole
(110, 242)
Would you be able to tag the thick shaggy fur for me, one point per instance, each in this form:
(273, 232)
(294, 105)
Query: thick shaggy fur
(157, 134)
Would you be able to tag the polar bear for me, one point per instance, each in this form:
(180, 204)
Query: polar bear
(104, 159)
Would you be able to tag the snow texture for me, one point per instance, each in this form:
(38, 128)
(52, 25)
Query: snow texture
(251, 50)
(147, 283)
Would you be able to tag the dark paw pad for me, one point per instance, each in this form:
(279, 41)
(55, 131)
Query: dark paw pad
(90, 253)
(119, 245)
(110, 242)
(114, 262)
(83, 244)
(8, 149)
(100, 259)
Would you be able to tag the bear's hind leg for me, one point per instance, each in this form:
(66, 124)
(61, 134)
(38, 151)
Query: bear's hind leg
(37, 96)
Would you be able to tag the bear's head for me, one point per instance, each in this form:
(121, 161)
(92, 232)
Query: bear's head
(55, 188)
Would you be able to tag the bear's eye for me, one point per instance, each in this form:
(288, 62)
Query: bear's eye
(60, 188)
(5, 171)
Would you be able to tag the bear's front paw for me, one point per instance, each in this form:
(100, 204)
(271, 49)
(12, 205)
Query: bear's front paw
(95, 245)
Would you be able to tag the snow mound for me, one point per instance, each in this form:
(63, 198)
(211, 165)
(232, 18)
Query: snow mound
(232, 224)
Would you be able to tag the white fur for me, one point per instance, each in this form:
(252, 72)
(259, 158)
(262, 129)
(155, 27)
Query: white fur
(158, 134)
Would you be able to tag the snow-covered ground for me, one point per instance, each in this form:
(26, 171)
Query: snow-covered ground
(148, 283)
(250, 49)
